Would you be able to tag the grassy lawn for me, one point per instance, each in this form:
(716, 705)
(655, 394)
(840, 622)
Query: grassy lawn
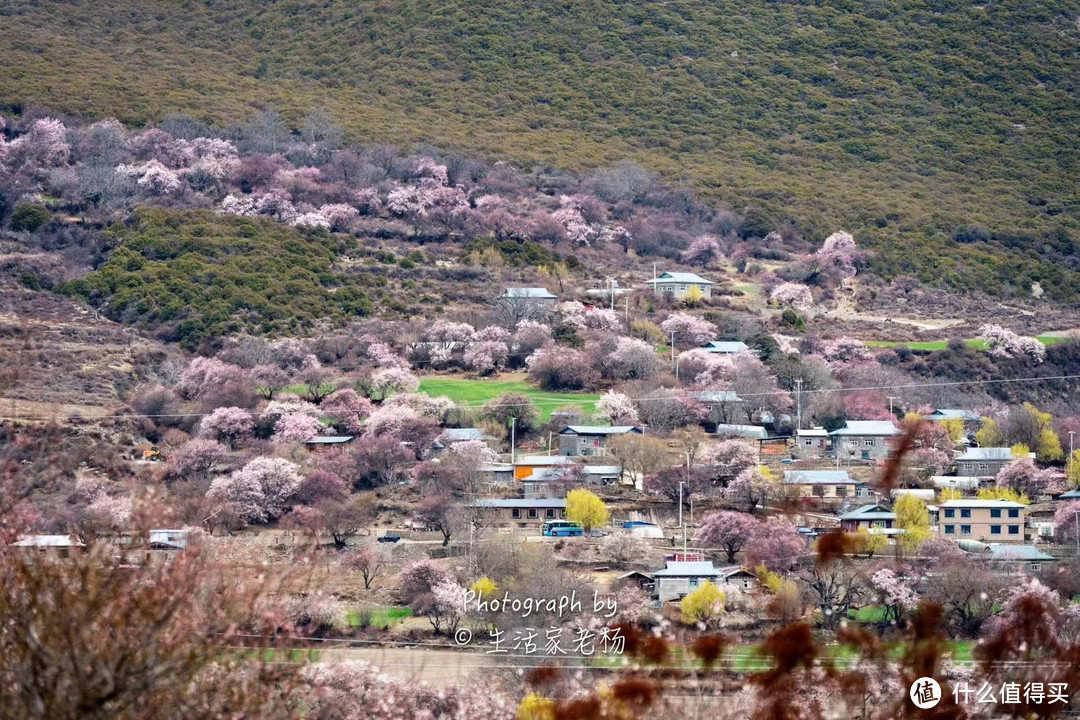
(474, 392)
(940, 344)
(380, 617)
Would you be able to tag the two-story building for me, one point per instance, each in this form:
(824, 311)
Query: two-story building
(823, 484)
(864, 439)
(1000, 521)
(679, 284)
(590, 440)
(983, 461)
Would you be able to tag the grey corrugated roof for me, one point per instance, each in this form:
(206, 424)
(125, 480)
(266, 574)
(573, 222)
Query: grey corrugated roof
(1018, 552)
(529, 292)
(869, 512)
(867, 427)
(461, 434)
(520, 503)
(750, 431)
(951, 414)
(680, 277)
(812, 432)
(688, 569)
(1073, 494)
(715, 396)
(47, 541)
(987, 453)
(727, 347)
(598, 429)
(328, 440)
(818, 477)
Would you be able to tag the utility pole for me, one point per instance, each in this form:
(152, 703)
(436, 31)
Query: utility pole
(672, 348)
(798, 403)
(1071, 460)
(891, 398)
(627, 311)
(513, 439)
(681, 523)
(612, 281)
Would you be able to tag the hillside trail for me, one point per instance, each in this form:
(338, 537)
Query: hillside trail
(845, 309)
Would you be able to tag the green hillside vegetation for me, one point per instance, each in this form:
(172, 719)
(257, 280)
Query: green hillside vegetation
(195, 275)
(942, 344)
(475, 393)
(941, 132)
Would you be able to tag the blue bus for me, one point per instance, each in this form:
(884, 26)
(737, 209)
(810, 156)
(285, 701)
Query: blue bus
(562, 528)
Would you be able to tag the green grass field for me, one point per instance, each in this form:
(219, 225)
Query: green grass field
(475, 393)
(749, 658)
(380, 617)
(941, 344)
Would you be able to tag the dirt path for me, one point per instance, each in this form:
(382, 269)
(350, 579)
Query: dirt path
(434, 667)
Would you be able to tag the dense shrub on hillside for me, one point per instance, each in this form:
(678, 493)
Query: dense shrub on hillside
(191, 276)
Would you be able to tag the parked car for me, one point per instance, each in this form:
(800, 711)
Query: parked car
(389, 537)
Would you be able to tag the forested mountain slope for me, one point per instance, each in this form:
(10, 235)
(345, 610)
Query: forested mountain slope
(912, 120)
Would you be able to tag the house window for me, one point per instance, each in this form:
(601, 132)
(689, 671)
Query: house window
(995, 512)
(965, 512)
(1035, 567)
(841, 491)
(949, 512)
(549, 513)
(965, 529)
(809, 442)
(818, 491)
(693, 582)
(950, 529)
(1014, 529)
(869, 442)
(995, 529)
(532, 513)
(515, 513)
(878, 524)
(1014, 512)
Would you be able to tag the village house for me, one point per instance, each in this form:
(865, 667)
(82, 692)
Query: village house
(726, 347)
(955, 482)
(679, 284)
(871, 517)
(864, 439)
(590, 440)
(519, 512)
(325, 442)
(1016, 559)
(56, 545)
(824, 484)
(724, 406)
(497, 473)
(684, 574)
(971, 420)
(452, 436)
(539, 484)
(531, 295)
(983, 461)
(753, 432)
(811, 443)
(984, 520)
